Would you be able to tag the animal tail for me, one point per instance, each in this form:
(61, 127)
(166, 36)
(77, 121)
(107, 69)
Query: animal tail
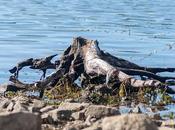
(13, 70)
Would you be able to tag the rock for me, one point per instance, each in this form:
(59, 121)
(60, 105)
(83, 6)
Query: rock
(166, 128)
(99, 111)
(75, 125)
(10, 106)
(79, 115)
(168, 123)
(56, 115)
(19, 107)
(69, 100)
(47, 119)
(60, 114)
(73, 106)
(136, 110)
(155, 116)
(4, 102)
(128, 122)
(8, 87)
(38, 103)
(95, 126)
(90, 120)
(50, 127)
(20, 121)
(47, 109)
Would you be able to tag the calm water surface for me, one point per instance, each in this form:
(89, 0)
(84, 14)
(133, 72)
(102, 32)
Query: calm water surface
(141, 31)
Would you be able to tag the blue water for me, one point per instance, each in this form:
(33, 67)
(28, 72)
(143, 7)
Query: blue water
(142, 31)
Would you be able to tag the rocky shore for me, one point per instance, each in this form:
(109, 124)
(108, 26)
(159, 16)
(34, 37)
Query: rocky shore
(26, 113)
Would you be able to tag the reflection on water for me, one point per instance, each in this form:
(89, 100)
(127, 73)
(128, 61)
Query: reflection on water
(141, 31)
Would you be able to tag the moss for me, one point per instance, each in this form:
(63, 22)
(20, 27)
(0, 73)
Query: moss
(65, 89)
(10, 94)
(100, 99)
(53, 102)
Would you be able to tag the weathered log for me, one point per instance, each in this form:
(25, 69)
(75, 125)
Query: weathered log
(95, 65)
(84, 56)
(41, 64)
(15, 70)
(122, 63)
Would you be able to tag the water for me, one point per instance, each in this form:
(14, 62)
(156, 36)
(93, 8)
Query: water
(141, 31)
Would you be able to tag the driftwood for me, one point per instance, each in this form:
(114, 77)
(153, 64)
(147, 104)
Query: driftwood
(41, 64)
(85, 60)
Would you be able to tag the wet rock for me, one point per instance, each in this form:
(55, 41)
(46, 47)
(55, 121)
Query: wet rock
(99, 111)
(20, 121)
(128, 122)
(141, 108)
(137, 109)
